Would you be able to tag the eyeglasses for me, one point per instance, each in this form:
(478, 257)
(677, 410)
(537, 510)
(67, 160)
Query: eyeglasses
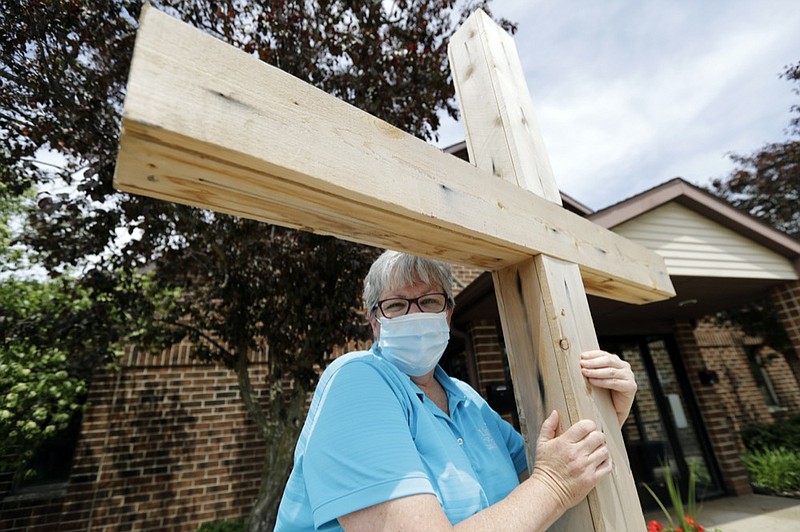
(400, 306)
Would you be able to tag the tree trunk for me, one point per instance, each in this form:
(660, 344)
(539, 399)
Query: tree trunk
(279, 440)
(278, 459)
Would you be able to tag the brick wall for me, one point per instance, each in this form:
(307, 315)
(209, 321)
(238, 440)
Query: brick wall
(489, 359)
(724, 351)
(783, 380)
(488, 354)
(720, 412)
(786, 298)
(463, 276)
(165, 445)
(645, 402)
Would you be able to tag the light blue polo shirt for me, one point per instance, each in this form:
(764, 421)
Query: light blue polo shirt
(372, 435)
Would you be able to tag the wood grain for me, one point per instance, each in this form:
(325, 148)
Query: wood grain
(211, 126)
(542, 301)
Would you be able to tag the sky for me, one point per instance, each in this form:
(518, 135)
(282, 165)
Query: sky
(630, 94)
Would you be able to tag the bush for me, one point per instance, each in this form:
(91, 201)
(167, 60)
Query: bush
(774, 470)
(236, 525)
(762, 437)
(38, 399)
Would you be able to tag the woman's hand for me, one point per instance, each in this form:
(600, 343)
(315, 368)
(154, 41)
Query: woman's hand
(608, 371)
(571, 464)
(567, 468)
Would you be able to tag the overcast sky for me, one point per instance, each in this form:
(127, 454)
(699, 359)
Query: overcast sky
(630, 94)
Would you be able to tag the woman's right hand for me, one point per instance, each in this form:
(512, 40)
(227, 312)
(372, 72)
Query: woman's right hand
(571, 464)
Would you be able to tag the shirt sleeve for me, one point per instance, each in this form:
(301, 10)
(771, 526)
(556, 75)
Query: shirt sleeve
(360, 450)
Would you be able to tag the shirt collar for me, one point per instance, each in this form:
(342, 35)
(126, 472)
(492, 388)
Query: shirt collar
(447, 383)
(454, 393)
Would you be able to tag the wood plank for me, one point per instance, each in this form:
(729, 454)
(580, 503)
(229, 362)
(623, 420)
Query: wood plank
(544, 311)
(514, 159)
(537, 383)
(208, 125)
(614, 504)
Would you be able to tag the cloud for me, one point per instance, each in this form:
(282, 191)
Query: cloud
(631, 94)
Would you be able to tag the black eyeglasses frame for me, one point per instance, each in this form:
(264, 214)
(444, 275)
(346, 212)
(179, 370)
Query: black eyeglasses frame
(411, 301)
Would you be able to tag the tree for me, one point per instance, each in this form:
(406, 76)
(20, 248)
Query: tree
(49, 346)
(239, 285)
(766, 185)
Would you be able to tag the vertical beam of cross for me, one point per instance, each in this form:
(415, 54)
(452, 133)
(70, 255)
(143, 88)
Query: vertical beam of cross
(543, 306)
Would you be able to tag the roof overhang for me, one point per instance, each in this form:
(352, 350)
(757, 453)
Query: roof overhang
(683, 193)
(695, 296)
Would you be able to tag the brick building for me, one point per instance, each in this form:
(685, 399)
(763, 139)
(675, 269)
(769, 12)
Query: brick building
(166, 444)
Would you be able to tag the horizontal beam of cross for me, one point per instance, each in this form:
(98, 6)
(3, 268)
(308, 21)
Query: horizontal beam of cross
(208, 125)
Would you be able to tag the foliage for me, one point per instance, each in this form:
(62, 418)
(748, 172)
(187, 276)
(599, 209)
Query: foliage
(223, 526)
(50, 346)
(766, 183)
(65, 314)
(773, 455)
(758, 318)
(39, 400)
(765, 436)
(684, 520)
(776, 470)
(10, 255)
(40, 390)
(238, 284)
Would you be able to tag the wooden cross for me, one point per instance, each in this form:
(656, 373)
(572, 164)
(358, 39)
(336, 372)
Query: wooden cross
(208, 125)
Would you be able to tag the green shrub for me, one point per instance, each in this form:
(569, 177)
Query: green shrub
(774, 470)
(38, 399)
(784, 433)
(236, 525)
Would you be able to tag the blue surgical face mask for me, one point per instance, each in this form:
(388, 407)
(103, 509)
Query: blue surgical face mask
(414, 343)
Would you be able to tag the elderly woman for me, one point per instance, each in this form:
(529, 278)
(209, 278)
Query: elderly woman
(391, 442)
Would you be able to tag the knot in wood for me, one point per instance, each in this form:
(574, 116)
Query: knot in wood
(563, 344)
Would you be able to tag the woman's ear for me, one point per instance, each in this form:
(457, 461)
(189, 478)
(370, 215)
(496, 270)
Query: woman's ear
(376, 328)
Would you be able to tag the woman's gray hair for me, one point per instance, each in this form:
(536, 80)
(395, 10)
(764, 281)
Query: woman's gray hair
(393, 270)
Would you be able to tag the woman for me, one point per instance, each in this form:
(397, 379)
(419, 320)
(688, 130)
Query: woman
(392, 442)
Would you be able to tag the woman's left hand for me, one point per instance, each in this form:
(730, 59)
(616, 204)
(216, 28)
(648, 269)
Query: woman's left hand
(606, 370)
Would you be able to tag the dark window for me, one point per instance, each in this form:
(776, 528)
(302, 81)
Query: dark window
(757, 362)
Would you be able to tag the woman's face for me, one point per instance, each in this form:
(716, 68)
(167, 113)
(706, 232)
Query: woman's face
(410, 292)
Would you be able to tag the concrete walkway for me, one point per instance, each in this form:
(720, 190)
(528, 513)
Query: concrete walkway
(749, 513)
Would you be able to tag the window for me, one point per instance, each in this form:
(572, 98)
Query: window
(757, 361)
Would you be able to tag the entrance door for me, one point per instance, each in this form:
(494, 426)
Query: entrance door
(661, 434)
